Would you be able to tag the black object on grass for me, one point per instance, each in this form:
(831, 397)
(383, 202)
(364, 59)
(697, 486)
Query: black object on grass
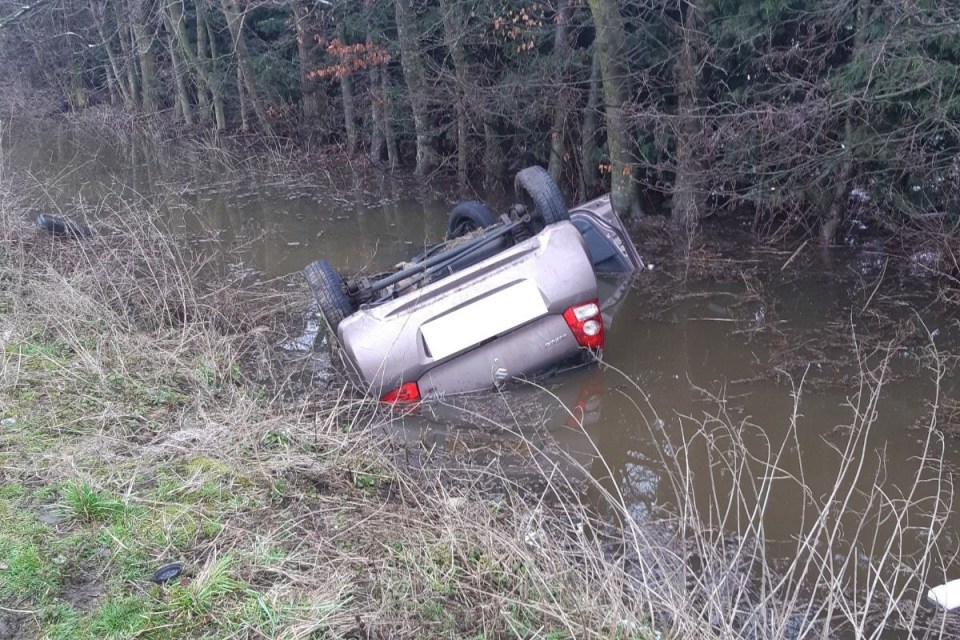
(62, 227)
(167, 572)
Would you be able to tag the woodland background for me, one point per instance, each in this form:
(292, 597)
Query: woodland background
(816, 116)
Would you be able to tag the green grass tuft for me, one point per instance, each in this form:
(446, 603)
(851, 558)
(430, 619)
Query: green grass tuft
(119, 618)
(198, 597)
(84, 502)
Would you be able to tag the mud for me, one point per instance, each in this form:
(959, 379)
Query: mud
(82, 592)
(16, 624)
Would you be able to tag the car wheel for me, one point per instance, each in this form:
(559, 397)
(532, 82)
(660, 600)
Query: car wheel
(469, 216)
(327, 287)
(541, 196)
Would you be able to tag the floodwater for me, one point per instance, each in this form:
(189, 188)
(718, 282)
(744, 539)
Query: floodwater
(710, 347)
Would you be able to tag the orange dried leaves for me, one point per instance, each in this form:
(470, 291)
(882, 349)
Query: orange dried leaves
(349, 58)
(522, 25)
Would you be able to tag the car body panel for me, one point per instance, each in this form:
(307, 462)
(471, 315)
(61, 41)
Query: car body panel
(521, 352)
(386, 343)
(613, 290)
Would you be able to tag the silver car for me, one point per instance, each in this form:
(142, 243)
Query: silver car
(501, 298)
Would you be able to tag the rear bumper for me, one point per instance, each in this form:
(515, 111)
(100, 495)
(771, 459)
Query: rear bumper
(527, 350)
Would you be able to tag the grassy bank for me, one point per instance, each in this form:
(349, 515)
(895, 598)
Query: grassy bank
(145, 422)
(134, 436)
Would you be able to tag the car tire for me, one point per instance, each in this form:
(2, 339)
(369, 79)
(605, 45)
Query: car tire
(327, 287)
(541, 196)
(469, 216)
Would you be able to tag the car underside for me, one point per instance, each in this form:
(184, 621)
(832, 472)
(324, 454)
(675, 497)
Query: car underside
(502, 297)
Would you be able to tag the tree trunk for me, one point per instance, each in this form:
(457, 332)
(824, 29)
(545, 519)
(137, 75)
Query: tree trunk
(349, 112)
(561, 51)
(179, 78)
(235, 14)
(115, 98)
(588, 133)
(492, 158)
(204, 89)
(841, 189)
(390, 136)
(415, 76)
(453, 25)
(244, 108)
(114, 73)
(688, 199)
(463, 146)
(126, 47)
(175, 22)
(838, 201)
(609, 41)
(144, 34)
(309, 96)
(376, 110)
(376, 116)
(216, 74)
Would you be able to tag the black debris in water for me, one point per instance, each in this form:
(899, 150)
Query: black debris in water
(58, 226)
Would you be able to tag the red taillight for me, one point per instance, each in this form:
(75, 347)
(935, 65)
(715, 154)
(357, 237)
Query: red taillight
(586, 323)
(407, 392)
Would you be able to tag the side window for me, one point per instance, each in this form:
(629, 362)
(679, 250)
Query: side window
(603, 254)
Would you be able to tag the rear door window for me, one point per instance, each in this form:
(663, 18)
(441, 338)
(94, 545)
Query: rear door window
(604, 255)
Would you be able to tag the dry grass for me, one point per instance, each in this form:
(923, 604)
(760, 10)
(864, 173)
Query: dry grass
(128, 365)
(857, 566)
(152, 425)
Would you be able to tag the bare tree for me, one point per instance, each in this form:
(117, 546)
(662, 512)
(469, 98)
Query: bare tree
(611, 51)
(414, 73)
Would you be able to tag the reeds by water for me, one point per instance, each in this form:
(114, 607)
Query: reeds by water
(135, 370)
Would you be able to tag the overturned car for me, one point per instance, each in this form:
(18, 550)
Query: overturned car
(502, 297)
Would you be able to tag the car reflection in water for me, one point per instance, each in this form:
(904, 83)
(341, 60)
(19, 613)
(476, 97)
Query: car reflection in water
(524, 433)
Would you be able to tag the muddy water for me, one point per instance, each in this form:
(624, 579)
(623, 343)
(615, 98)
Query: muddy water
(721, 332)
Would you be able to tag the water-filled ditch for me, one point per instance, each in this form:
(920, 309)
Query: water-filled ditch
(785, 360)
